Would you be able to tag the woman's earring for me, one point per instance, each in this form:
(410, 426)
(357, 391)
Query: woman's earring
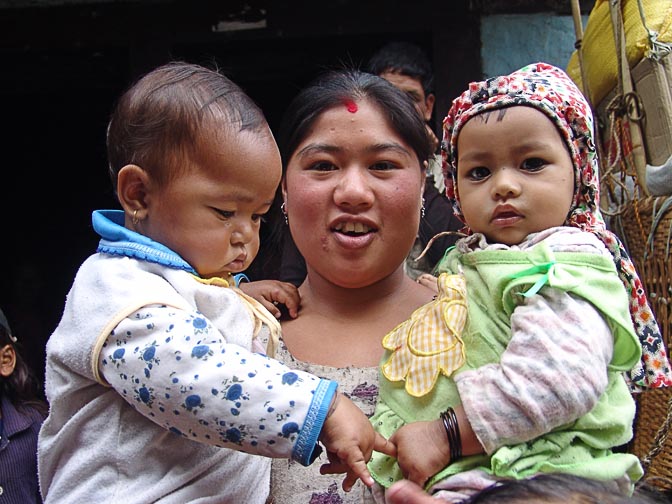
(283, 209)
(135, 217)
(422, 208)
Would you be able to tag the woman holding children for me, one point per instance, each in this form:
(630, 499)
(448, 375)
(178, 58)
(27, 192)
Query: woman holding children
(354, 154)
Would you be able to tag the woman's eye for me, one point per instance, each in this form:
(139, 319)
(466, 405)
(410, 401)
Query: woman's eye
(533, 164)
(478, 173)
(322, 166)
(383, 165)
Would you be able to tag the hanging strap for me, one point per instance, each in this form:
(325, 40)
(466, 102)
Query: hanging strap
(657, 49)
(578, 45)
(630, 104)
(585, 88)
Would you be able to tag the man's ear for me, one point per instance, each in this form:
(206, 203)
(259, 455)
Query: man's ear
(429, 106)
(132, 191)
(7, 360)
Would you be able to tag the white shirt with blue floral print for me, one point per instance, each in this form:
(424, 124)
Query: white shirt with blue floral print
(157, 391)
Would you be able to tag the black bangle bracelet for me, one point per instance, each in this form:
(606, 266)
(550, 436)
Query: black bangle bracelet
(449, 419)
(458, 438)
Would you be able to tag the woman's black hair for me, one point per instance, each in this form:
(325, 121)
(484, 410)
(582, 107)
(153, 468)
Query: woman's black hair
(337, 87)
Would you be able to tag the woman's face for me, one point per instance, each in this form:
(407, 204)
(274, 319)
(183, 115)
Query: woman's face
(353, 193)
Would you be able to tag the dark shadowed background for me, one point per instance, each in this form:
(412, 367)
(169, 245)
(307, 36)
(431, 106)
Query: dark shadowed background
(63, 63)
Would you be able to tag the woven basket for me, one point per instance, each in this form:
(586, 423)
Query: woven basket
(646, 232)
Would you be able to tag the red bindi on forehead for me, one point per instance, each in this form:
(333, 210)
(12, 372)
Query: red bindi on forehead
(351, 106)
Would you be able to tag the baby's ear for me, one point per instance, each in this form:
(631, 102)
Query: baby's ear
(132, 190)
(7, 360)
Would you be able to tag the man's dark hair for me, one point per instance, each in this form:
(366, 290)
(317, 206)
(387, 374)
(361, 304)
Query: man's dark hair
(405, 58)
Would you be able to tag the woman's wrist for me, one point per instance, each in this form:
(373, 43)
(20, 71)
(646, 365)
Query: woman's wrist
(452, 431)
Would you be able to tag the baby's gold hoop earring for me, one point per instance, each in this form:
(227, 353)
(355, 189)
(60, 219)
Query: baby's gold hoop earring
(135, 217)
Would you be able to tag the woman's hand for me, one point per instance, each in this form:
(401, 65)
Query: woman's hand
(271, 293)
(429, 281)
(422, 450)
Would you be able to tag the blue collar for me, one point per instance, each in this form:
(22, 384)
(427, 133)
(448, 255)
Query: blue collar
(115, 239)
(118, 240)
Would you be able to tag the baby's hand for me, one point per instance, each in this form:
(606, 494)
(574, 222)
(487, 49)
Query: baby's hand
(270, 293)
(350, 439)
(422, 450)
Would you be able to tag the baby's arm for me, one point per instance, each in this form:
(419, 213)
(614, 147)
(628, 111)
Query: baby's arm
(270, 293)
(553, 371)
(179, 372)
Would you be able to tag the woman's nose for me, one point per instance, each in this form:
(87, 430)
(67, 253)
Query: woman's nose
(354, 189)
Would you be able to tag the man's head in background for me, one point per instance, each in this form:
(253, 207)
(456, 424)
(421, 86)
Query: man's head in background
(406, 66)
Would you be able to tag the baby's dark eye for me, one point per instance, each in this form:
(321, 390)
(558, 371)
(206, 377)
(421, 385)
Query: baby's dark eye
(225, 213)
(258, 217)
(478, 173)
(533, 164)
